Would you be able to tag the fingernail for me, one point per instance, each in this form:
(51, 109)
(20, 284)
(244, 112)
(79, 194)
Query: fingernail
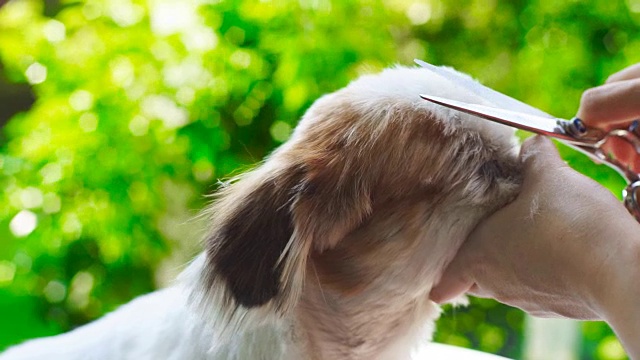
(576, 127)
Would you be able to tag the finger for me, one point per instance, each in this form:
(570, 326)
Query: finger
(631, 72)
(611, 105)
(619, 149)
(622, 151)
(454, 282)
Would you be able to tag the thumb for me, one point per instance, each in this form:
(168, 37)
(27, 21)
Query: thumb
(454, 282)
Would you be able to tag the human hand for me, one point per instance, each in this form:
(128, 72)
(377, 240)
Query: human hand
(615, 105)
(557, 250)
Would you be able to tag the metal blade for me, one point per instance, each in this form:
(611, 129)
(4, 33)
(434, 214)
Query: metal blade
(537, 124)
(492, 96)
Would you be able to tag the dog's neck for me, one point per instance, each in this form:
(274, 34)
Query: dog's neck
(331, 326)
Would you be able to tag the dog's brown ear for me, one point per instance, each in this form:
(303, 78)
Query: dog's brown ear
(266, 224)
(253, 225)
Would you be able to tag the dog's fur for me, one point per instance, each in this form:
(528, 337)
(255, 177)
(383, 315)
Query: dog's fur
(328, 249)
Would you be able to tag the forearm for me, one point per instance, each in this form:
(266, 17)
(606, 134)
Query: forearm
(621, 304)
(627, 328)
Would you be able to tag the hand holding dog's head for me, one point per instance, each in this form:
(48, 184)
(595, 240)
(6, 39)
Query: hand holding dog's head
(376, 189)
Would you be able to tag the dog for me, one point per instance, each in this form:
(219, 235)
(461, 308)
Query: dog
(329, 248)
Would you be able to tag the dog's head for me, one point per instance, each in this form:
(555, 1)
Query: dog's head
(374, 193)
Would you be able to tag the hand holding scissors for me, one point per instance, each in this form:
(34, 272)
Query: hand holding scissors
(577, 258)
(614, 105)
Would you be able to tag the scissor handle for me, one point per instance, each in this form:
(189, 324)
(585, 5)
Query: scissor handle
(630, 172)
(631, 193)
(631, 196)
(631, 135)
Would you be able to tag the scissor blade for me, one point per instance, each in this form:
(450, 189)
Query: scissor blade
(494, 97)
(528, 122)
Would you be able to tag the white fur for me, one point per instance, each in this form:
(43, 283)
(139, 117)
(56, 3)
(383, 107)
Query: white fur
(403, 83)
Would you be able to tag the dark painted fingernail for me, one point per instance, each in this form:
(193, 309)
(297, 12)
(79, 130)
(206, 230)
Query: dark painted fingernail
(577, 127)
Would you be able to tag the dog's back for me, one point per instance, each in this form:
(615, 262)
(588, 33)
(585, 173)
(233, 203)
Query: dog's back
(154, 326)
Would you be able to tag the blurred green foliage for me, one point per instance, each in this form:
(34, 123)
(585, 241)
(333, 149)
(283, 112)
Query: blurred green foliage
(141, 105)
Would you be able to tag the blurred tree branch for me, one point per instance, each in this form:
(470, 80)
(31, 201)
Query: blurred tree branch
(13, 97)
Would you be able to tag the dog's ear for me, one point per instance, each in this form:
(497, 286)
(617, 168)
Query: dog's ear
(252, 226)
(265, 226)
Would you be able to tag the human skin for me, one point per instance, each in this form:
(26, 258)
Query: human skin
(615, 105)
(565, 247)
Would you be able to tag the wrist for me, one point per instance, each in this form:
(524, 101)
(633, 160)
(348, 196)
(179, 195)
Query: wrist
(616, 299)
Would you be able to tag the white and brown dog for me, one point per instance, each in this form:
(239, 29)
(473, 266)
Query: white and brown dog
(328, 249)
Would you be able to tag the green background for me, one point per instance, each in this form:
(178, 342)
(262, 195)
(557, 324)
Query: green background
(118, 116)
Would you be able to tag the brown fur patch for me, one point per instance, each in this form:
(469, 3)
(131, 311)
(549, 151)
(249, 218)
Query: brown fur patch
(249, 244)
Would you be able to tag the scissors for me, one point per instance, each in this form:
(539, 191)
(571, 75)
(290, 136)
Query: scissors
(574, 132)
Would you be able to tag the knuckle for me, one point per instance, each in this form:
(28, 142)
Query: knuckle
(634, 85)
(589, 98)
(613, 78)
